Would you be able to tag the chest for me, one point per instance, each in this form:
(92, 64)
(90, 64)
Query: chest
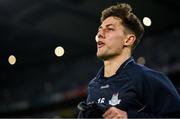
(118, 92)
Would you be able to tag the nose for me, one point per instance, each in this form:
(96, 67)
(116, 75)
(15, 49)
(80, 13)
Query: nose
(96, 38)
(99, 35)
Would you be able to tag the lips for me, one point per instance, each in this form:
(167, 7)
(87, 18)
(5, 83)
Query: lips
(100, 44)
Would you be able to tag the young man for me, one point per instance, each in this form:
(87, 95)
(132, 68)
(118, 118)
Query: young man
(123, 88)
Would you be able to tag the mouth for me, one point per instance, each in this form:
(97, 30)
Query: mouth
(100, 44)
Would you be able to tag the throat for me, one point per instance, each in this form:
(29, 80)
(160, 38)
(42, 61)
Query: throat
(111, 66)
(110, 69)
(109, 73)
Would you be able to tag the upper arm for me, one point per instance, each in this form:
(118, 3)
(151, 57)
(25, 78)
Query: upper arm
(161, 94)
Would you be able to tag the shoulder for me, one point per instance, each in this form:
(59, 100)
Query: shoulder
(153, 78)
(143, 73)
(93, 81)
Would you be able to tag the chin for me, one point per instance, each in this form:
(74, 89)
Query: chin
(99, 55)
(103, 57)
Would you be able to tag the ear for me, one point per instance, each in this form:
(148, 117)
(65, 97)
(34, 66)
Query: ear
(130, 39)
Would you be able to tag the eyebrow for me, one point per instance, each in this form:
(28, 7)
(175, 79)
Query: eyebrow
(106, 25)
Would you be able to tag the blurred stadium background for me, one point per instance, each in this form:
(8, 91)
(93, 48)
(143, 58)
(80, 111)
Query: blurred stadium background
(47, 51)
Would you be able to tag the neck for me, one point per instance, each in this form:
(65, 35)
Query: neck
(111, 65)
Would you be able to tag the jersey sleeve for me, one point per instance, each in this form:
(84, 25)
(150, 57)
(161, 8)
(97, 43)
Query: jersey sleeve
(159, 95)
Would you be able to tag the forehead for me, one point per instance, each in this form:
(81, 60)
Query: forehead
(112, 20)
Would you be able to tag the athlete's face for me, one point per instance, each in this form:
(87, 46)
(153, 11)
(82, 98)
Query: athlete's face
(110, 38)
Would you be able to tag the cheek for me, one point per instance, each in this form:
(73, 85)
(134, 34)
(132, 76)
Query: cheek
(115, 37)
(117, 42)
(115, 47)
(118, 46)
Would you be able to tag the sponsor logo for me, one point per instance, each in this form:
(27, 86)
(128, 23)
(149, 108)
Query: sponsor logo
(106, 86)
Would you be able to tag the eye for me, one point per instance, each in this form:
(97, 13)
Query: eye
(110, 29)
(99, 28)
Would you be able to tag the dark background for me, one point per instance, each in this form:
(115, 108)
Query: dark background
(43, 85)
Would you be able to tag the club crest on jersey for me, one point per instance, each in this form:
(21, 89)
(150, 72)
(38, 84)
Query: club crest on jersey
(114, 100)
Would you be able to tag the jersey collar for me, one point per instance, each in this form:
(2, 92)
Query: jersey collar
(101, 70)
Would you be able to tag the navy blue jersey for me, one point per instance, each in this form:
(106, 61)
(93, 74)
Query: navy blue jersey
(136, 89)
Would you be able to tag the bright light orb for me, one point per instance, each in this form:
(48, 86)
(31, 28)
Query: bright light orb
(147, 21)
(12, 59)
(59, 51)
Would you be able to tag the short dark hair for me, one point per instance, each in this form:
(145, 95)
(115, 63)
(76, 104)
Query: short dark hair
(129, 19)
